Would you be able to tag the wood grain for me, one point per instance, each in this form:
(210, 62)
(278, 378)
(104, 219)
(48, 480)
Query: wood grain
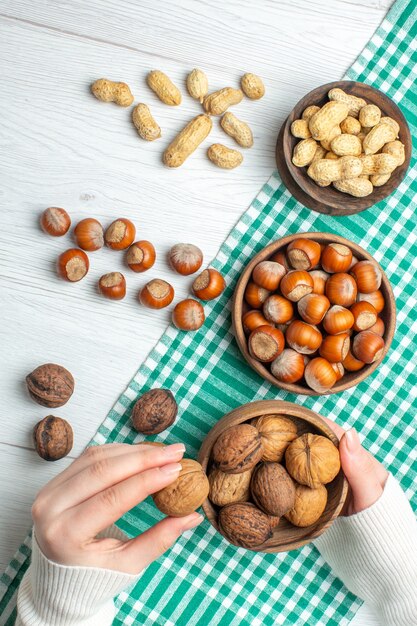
(285, 536)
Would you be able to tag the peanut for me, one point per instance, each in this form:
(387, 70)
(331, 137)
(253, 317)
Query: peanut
(379, 179)
(378, 164)
(224, 157)
(110, 91)
(304, 152)
(358, 187)
(369, 115)
(144, 122)
(396, 149)
(331, 155)
(353, 102)
(319, 153)
(219, 101)
(187, 140)
(197, 85)
(309, 112)
(299, 128)
(379, 135)
(394, 125)
(164, 88)
(346, 145)
(237, 129)
(252, 86)
(335, 131)
(328, 170)
(329, 116)
(350, 126)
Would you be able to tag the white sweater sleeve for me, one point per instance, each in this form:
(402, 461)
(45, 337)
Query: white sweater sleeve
(58, 595)
(374, 553)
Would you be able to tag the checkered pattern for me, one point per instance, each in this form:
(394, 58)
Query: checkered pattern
(204, 580)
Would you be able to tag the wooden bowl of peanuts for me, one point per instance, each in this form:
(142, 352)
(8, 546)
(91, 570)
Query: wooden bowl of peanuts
(344, 147)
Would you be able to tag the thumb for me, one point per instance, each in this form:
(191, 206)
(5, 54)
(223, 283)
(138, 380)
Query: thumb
(364, 474)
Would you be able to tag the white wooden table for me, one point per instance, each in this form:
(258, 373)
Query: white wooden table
(62, 147)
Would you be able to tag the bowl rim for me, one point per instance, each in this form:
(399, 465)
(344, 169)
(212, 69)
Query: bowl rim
(248, 411)
(238, 299)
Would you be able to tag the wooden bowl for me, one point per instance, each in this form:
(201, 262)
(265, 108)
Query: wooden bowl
(328, 199)
(285, 536)
(350, 379)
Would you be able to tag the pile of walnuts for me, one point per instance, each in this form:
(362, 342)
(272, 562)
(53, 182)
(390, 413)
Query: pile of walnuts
(262, 471)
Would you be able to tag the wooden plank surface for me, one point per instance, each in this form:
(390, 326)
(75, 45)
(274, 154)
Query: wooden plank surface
(62, 147)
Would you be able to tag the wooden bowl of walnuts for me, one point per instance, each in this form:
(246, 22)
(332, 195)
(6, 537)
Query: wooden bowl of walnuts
(274, 474)
(313, 313)
(344, 147)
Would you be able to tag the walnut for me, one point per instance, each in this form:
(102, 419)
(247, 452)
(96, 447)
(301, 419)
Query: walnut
(53, 438)
(272, 489)
(186, 493)
(155, 411)
(277, 432)
(228, 488)
(312, 460)
(50, 385)
(309, 505)
(237, 449)
(243, 524)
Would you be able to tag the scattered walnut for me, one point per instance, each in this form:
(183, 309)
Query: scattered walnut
(185, 494)
(155, 411)
(50, 385)
(53, 438)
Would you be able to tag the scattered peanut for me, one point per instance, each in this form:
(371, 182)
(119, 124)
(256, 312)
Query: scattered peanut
(369, 115)
(219, 101)
(252, 86)
(329, 116)
(237, 129)
(197, 85)
(328, 171)
(378, 164)
(224, 157)
(299, 128)
(304, 152)
(353, 102)
(110, 91)
(379, 135)
(164, 88)
(309, 112)
(144, 123)
(187, 140)
(346, 145)
(351, 126)
(334, 132)
(358, 187)
(396, 149)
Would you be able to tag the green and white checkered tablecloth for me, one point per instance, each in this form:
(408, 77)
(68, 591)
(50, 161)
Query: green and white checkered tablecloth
(203, 580)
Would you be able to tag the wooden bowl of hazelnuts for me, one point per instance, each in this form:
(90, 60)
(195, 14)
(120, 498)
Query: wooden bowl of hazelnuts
(344, 147)
(274, 474)
(314, 313)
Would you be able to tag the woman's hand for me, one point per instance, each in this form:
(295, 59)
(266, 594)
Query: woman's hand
(365, 475)
(93, 492)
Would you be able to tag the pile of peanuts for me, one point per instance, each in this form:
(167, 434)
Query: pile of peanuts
(347, 143)
(314, 313)
(194, 133)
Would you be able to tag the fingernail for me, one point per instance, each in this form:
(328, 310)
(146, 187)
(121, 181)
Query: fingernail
(175, 450)
(193, 521)
(352, 440)
(171, 468)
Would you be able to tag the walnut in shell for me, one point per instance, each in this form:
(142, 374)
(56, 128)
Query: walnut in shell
(228, 488)
(312, 460)
(53, 438)
(308, 506)
(50, 385)
(186, 493)
(276, 432)
(243, 524)
(272, 488)
(155, 411)
(238, 449)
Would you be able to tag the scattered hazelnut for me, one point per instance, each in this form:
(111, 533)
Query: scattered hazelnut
(228, 488)
(89, 234)
(272, 489)
(237, 449)
(112, 286)
(186, 493)
(154, 411)
(188, 315)
(156, 294)
(141, 256)
(185, 258)
(55, 221)
(312, 460)
(50, 385)
(308, 506)
(209, 284)
(73, 265)
(120, 234)
(243, 524)
(53, 438)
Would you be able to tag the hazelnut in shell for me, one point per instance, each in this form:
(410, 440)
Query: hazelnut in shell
(186, 494)
(50, 385)
(156, 294)
(228, 488)
(268, 274)
(276, 432)
(53, 438)
(303, 254)
(120, 234)
(73, 265)
(320, 375)
(154, 412)
(89, 234)
(255, 296)
(185, 258)
(265, 343)
(112, 286)
(253, 319)
(289, 366)
(141, 256)
(278, 309)
(308, 506)
(336, 257)
(209, 285)
(243, 524)
(341, 289)
(237, 449)
(367, 275)
(188, 315)
(312, 460)
(296, 284)
(272, 489)
(55, 221)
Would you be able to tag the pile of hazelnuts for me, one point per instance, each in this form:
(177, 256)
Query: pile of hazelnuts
(184, 258)
(315, 313)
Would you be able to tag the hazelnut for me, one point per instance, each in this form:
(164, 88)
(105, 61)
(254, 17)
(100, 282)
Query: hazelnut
(308, 506)
(237, 449)
(209, 284)
(112, 286)
(255, 296)
(272, 489)
(53, 438)
(156, 294)
(120, 234)
(276, 432)
(185, 258)
(265, 343)
(141, 256)
(312, 460)
(73, 265)
(55, 221)
(89, 234)
(188, 315)
(186, 493)
(243, 524)
(228, 488)
(50, 385)
(155, 411)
